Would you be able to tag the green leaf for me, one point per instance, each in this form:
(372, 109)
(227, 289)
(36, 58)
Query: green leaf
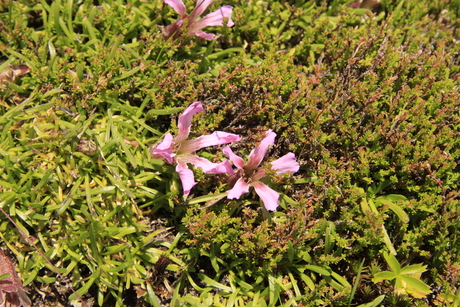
(383, 276)
(392, 262)
(308, 281)
(372, 206)
(386, 239)
(82, 291)
(155, 112)
(415, 284)
(365, 206)
(395, 208)
(356, 283)
(206, 198)
(126, 74)
(413, 269)
(215, 284)
(317, 269)
(376, 302)
(341, 280)
(3, 276)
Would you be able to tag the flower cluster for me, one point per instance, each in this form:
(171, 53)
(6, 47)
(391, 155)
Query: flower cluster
(192, 24)
(181, 151)
(250, 173)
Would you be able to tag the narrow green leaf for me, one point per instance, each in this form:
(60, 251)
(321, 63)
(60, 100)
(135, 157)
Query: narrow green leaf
(328, 241)
(372, 206)
(206, 198)
(193, 283)
(290, 252)
(120, 186)
(317, 269)
(16, 110)
(341, 280)
(117, 42)
(68, 31)
(356, 283)
(22, 57)
(308, 281)
(51, 50)
(395, 208)
(154, 112)
(86, 286)
(305, 180)
(103, 190)
(144, 125)
(126, 74)
(294, 282)
(3, 276)
(243, 284)
(365, 206)
(44, 179)
(90, 29)
(151, 296)
(213, 283)
(128, 153)
(55, 7)
(387, 241)
(375, 303)
(39, 108)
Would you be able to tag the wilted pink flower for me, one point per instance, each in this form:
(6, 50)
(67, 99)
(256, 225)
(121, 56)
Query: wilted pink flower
(193, 24)
(249, 174)
(11, 288)
(179, 150)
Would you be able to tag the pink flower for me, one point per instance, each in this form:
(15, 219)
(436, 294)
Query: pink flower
(12, 292)
(180, 150)
(194, 25)
(249, 174)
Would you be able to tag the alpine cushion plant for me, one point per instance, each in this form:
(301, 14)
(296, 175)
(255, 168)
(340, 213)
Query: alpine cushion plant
(250, 174)
(194, 25)
(180, 150)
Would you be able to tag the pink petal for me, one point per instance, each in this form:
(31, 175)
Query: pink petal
(164, 149)
(269, 197)
(215, 18)
(205, 35)
(13, 299)
(207, 166)
(185, 120)
(258, 153)
(173, 29)
(200, 7)
(221, 168)
(286, 163)
(258, 174)
(186, 177)
(237, 161)
(238, 189)
(216, 138)
(24, 298)
(178, 6)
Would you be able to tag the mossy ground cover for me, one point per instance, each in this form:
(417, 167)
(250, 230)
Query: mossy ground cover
(367, 100)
